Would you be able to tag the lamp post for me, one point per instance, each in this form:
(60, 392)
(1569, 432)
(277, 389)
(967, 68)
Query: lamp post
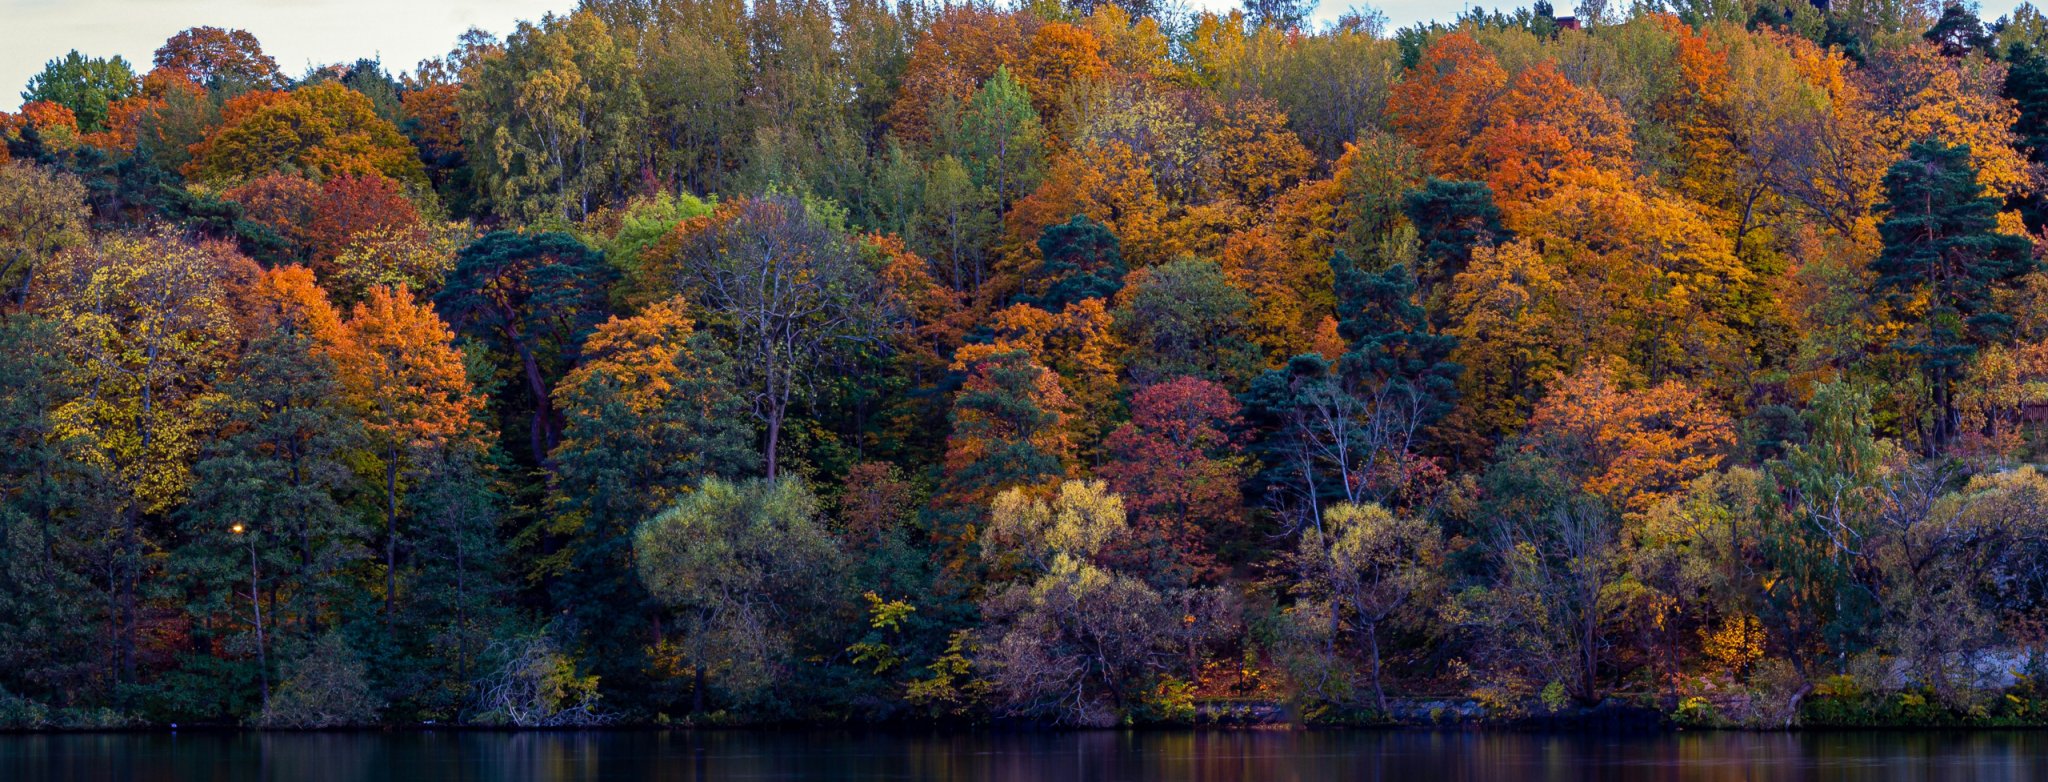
(256, 607)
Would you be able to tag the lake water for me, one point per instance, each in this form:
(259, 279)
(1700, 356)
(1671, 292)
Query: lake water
(1133, 756)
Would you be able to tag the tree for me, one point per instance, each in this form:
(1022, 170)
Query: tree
(962, 47)
(1958, 32)
(936, 320)
(957, 223)
(458, 595)
(1944, 557)
(228, 60)
(1058, 56)
(633, 232)
(367, 76)
(1559, 557)
(42, 213)
(1009, 425)
(1391, 345)
(1914, 95)
(146, 327)
(787, 296)
(322, 130)
(1181, 467)
(743, 564)
(570, 107)
(1000, 140)
(1332, 87)
(49, 129)
(1289, 287)
(1506, 310)
(1185, 318)
(1078, 259)
(418, 258)
(268, 500)
(320, 221)
(1256, 157)
(531, 298)
(1287, 409)
(1943, 260)
(1632, 448)
(283, 205)
(1648, 277)
(649, 385)
(350, 205)
(329, 687)
(1070, 640)
(695, 80)
(1079, 345)
(1376, 566)
(1808, 592)
(1351, 431)
(401, 372)
(1111, 183)
(1278, 14)
(1519, 133)
(54, 643)
(85, 85)
(1451, 219)
(648, 413)
(2026, 85)
(1446, 98)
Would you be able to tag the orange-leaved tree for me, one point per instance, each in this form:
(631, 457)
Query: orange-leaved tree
(398, 364)
(319, 131)
(1632, 446)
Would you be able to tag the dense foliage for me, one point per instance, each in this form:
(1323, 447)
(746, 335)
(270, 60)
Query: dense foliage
(685, 361)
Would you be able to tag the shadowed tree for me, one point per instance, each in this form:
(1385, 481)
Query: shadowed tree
(531, 298)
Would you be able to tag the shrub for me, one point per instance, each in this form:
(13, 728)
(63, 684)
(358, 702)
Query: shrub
(19, 713)
(537, 687)
(328, 688)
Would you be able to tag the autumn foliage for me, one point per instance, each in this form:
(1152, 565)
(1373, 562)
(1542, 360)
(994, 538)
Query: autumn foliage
(713, 362)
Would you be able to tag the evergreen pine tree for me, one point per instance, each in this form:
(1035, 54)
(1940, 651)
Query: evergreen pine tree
(1943, 258)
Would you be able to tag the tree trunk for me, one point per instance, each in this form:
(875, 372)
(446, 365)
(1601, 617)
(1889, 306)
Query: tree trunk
(1372, 647)
(131, 554)
(390, 537)
(543, 439)
(774, 440)
(697, 690)
(1589, 658)
(256, 609)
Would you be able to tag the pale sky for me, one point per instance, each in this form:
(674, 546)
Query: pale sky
(300, 33)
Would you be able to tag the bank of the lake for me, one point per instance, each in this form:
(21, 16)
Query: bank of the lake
(1021, 756)
(1826, 710)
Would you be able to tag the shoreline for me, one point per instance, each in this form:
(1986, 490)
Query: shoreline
(1626, 721)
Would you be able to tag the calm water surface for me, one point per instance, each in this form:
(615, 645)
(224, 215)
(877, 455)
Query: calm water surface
(1141, 756)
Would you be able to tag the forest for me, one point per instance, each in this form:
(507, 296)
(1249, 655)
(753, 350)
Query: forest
(1079, 363)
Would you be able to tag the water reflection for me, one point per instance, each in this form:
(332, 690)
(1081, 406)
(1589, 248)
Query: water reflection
(1136, 756)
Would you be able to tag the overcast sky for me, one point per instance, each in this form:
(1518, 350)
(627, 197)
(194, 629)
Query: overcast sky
(300, 33)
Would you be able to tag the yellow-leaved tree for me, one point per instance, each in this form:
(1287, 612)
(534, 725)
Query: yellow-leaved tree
(146, 325)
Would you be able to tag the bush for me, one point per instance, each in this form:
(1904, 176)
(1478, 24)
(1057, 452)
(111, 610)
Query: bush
(1172, 701)
(1697, 712)
(100, 718)
(329, 688)
(19, 713)
(537, 687)
(1555, 698)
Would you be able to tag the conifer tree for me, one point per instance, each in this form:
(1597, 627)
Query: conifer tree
(1943, 259)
